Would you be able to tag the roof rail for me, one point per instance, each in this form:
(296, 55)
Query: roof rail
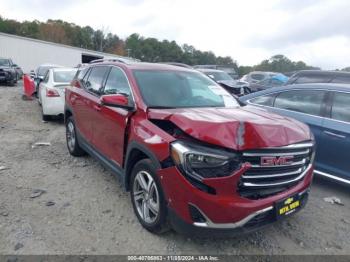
(119, 60)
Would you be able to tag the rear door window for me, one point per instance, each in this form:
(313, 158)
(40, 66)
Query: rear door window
(341, 80)
(341, 107)
(95, 79)
(303, 101)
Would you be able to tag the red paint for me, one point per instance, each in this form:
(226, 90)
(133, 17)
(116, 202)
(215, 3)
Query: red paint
(224, 207)
(110, 129)
(220, 126)
(28, 86)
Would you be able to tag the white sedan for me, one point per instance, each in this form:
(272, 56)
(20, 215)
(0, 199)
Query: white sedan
(51, 91)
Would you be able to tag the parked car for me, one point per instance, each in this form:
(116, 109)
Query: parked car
(51, 91)
(326, 109)
(235, 87)
(267, 83)
(319, 76)
(257, 76)
(40, 73)
(9, 72)
(227, 69)
(187, 151)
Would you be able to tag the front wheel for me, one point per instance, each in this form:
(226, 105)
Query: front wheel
(147, 198)
(72, 140)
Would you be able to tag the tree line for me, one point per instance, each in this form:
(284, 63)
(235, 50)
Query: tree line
(136, 46)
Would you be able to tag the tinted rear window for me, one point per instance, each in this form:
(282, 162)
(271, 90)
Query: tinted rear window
(64, 76)
(341, 80)
(43, 70)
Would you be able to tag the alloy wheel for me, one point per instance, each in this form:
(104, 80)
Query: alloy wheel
(146, 197)
(70, 136)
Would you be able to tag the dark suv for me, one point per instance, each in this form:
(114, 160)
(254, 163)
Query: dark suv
(8, 71)
(190, 155)
(319, 76)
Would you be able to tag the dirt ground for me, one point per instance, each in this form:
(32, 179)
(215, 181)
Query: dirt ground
(84, 210)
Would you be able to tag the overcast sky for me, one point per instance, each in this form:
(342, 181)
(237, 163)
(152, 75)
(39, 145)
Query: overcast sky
(315, 31)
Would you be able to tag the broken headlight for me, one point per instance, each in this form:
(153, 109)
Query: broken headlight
(201, 162)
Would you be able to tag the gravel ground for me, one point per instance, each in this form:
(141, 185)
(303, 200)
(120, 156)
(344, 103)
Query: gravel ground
(52, 203)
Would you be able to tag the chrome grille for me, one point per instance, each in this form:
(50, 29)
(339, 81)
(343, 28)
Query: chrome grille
(274, 169)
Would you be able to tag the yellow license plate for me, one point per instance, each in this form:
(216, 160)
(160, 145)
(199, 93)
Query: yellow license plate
(288, 206)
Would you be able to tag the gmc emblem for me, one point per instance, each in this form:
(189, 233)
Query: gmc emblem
(276, 161)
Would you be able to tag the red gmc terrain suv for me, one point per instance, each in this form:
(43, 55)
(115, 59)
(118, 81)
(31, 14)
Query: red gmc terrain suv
(192, 157)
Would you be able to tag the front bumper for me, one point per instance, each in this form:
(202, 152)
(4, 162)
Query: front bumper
(250, 224)
(6, 76)
(226, 210)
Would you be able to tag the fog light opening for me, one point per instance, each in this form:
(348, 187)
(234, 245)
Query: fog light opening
(196, 215)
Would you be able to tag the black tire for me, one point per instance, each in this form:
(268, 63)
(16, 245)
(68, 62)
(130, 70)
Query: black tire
(12, 82)
(45, 117)
(160, 223)
(72, 139)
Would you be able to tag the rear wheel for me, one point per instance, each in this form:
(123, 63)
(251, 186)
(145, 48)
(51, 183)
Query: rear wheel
(147, 197)
(45, 117)
(72, 140)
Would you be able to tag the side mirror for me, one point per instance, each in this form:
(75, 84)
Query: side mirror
(116, 100)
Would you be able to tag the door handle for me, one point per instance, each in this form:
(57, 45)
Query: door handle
(97, 107)
(334, 134)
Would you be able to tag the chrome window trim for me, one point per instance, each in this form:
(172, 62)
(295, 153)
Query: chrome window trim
(343, 180)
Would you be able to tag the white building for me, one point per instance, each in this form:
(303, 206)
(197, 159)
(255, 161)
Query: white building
(29, 53)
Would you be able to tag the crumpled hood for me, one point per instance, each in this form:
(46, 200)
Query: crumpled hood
(230, 83)
(236, 128)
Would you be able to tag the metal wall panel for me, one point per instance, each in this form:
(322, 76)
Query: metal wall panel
(30, 53)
